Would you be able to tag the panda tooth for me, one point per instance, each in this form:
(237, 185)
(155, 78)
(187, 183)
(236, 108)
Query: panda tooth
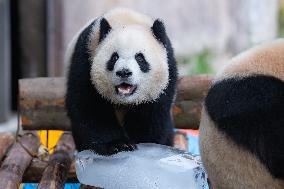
(124, 91)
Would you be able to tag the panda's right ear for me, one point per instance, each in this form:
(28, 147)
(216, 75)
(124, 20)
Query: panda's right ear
(104, 29)
(159, 31)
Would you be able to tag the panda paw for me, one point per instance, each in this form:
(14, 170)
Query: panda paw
(114, 147)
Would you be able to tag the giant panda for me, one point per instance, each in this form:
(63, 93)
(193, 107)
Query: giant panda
(121, 83)
(242, 123)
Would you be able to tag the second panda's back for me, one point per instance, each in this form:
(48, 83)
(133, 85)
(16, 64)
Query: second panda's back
(265, 59)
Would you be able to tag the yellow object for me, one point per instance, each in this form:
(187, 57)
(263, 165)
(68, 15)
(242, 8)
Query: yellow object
(49, 138)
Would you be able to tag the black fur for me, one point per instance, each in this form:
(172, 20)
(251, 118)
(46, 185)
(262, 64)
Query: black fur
(104, 29)
(159, 32)
(143, 64)
(124, 73)
(94, 123)
(250, 110)
(113, 59)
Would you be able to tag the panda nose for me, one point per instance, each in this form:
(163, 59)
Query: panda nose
(124, 73)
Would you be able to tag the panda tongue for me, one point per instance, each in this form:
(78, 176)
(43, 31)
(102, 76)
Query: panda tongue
(124, 89)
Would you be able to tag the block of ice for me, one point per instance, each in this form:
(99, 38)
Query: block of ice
(151, 166)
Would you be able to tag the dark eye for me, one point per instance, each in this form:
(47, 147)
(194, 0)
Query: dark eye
(110, 64)
(114, 57)
(140, 58)
(143, 64)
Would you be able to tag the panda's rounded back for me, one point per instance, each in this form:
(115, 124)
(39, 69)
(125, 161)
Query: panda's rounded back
(264, 59)
(227, 164)
(230, 163)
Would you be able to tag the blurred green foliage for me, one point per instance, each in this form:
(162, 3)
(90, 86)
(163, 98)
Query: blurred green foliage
(200, 63)
(281, 19)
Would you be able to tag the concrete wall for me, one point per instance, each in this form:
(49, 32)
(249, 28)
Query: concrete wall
(222, 26)
(4, 61)
(32, 36)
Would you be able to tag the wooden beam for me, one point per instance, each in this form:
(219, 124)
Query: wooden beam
(42, 103)
(187, 114)
(55, 25)
(6, 141)
(55, 174)
(193, 87)
(34, 172)
(5, 61)
(32, 37)
(19, 158)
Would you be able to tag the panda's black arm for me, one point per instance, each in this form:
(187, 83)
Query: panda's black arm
(150, 123)
(97, 129)
(94, 125)
(97, 136)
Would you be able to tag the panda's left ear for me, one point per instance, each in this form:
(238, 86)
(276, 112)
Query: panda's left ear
(159, 31)
(104, 29)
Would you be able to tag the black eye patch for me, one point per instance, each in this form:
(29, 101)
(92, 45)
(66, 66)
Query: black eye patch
(143, 64)
(113, 59)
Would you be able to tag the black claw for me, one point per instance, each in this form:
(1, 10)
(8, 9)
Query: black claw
(115, 150)
(114, 147)
(131, 147)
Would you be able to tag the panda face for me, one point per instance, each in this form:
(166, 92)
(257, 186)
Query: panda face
(130, 66)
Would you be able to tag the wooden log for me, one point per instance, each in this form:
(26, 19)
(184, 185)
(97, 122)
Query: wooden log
(193, 87)
(55, 174)
(19, 158)
(34, 172)
(6, 141)
(187, 114)
(42, 103)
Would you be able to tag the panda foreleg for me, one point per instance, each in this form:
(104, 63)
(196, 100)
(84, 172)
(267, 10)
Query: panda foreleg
(150, 126)
(103, 139)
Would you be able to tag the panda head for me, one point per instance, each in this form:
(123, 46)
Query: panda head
(130, 64)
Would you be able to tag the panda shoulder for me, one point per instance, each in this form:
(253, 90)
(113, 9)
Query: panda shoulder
(264, 59)
(93, 35)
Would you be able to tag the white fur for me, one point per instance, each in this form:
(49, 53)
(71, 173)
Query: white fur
(118, 18)
(130, 34)
(127, 41)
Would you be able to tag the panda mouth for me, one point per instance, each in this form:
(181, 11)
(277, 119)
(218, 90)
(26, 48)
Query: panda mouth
(125, 89)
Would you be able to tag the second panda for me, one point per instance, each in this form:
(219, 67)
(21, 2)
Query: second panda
(242, 124)
(121, 83)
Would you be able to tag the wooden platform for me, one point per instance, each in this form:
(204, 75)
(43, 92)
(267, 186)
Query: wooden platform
(22, 161)
(41, 104)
